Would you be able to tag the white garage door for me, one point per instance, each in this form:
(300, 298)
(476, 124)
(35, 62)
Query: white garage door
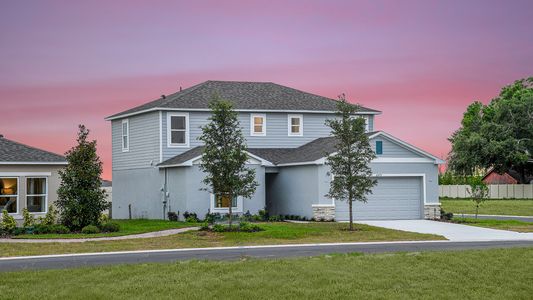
(393, 198)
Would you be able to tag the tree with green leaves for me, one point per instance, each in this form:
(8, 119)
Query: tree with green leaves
(498, 135)
(81, 200)
(225, 155)
(350, 164)
(479, 192)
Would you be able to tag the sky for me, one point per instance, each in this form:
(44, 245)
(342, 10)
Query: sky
(63, 63)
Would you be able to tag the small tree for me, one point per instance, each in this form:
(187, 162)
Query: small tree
(350, 163)
(80, 197)
(224, 155)
(479, 192)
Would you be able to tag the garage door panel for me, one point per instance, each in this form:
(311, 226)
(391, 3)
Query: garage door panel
(392, 198)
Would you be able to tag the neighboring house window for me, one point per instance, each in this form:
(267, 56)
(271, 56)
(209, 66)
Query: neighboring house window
(125, 135)
(221, 203)
(178, 129)
(258, 124)
(295, 125)
(36, 194)
(379, 147)
(9, 194)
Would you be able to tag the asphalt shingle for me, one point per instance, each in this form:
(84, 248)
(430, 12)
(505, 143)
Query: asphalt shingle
(11, 151)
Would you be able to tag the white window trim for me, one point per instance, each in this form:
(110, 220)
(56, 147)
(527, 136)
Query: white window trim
(213, 209)
(18, 192)
(289, 125)
(252, 132)
(45, 195)
(169, 130)
(127, 122)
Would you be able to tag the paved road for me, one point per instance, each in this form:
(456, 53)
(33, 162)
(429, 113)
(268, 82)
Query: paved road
(497, 217)
(234, 253)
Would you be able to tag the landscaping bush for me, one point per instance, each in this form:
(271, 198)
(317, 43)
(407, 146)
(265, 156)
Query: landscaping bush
(55, 228)
(8, 224)
(59, 229)
(109, 227)
(445, 216)
(248, 227)
(219, 228)
(172, 216)
(90, 229)
(29, 220)
(51, 216)
(242, 227)
(275, 218)
(190, 217)
(210, 218)
(263, 215)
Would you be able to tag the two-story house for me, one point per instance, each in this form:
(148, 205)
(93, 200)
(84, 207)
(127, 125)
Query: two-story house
(156, 153)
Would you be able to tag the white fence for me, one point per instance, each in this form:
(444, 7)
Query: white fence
(496, 191)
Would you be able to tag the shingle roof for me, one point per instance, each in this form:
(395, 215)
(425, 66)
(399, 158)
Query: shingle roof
(309, 152)
(11, 151)
(244, 95)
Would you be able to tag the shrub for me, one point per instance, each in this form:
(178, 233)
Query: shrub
(8, 224)
(29, 220)
(248, 227)
(51, 216)
(103, 219)
(205, 226)
(219, 228)
(210, 218)
(247, 216)
(263, 214)
(41, 229)
(59, 229)
(109, 227)
(190, 217)
(172, 216)
(276, 218)
(90, 229)
(445, 216)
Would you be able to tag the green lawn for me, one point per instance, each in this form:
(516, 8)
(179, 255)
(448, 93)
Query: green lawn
(127, 227)
(489, 207)
(512, 225)
(275, 233)
(473, 274)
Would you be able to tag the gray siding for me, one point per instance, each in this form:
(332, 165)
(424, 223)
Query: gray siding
(185, 195)
(142, 189)
(276, 131)
(391, 149)
(144, 142)
(293, 190)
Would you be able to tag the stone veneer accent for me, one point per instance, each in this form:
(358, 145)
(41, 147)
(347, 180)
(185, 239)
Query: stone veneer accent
(324, 212)
(432, 211)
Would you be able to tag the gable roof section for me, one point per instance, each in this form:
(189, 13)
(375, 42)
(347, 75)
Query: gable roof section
(246, 96)
(313, 152)
(12, 152)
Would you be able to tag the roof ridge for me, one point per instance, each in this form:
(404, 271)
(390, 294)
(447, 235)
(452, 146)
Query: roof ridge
(182, 93)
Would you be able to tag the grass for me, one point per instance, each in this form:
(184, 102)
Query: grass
(512, 225)
(472, 274)
(274, 233)
(127, 227)
(489, 207)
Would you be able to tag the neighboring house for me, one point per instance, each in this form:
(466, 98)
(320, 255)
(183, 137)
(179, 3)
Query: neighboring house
(156, 155)
(28, 178)
(509, 177)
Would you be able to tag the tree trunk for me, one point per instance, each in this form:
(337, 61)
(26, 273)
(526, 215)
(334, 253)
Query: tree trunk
(477, 209)
(523, 175)
(350, 203)
(230, 211)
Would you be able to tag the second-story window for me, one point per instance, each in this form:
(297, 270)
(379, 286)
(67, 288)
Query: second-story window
(178, 129)
(258, 124)
(295, 125)
(125, 135)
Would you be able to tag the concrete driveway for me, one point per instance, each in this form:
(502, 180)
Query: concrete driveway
(453, 232)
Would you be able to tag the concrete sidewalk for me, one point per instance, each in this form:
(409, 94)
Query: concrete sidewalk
(451, 231)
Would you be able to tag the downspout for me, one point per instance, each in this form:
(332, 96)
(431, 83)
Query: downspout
(165, 196)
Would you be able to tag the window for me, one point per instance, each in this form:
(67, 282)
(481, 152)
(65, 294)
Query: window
(178, 129)
(295, 125)
(9, 194)
(258, 124)
(36, 194)
(379, 147)
(221, 203)
(125, 135)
